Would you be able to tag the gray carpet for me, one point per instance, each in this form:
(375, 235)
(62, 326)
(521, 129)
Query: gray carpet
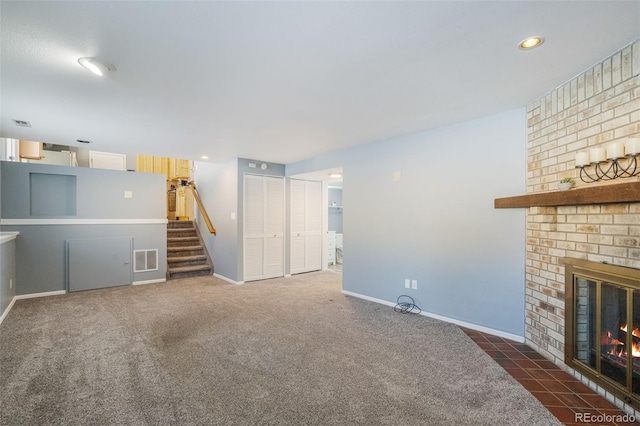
(285, 351)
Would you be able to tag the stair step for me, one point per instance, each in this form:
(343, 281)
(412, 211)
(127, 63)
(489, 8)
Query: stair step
(190, 271)
(177, 249)
(173, 224)
(182, 241)
(181, 232)
(187, 260)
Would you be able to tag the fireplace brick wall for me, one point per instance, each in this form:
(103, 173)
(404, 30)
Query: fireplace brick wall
(597, 107)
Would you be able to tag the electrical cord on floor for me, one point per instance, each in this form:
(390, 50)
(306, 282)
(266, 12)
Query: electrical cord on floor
(406, 305)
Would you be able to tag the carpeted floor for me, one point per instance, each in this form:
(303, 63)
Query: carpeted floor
(291, 351)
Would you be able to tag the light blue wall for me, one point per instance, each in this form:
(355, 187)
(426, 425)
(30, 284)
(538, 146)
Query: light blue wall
(40, 249)
(438, 224)
(217, 186)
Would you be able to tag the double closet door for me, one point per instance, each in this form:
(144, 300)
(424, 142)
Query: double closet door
(264, 225)
(306, 226)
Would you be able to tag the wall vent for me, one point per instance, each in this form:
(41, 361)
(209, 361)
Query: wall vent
(145, 260)
(21, 123)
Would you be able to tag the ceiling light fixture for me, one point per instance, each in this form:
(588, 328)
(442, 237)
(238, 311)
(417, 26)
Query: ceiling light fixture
(96, 66)
(531, 42)
(335, 175)
(204, 157)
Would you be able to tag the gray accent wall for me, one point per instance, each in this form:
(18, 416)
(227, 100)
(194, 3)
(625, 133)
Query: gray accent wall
(437, 224)
(99, 194)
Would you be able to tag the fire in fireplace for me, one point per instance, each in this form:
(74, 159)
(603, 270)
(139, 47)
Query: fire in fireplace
(601, 301)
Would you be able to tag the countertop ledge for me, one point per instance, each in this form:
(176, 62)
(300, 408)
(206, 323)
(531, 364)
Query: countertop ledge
(5, 237)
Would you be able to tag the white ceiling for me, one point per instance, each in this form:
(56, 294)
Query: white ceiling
(285, 81)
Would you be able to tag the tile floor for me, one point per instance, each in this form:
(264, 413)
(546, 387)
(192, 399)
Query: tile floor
(562, 394)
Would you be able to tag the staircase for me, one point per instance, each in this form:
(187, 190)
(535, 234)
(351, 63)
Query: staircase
(186, 254)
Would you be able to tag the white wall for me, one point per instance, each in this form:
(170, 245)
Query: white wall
(438, 224)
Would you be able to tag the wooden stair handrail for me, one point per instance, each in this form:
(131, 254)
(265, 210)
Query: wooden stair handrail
(203, 212)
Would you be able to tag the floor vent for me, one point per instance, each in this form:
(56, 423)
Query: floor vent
(145, 260)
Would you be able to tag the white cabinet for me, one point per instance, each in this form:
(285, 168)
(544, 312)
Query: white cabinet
(263, 242)
(107, 160)
(331, 247)
(306, 226)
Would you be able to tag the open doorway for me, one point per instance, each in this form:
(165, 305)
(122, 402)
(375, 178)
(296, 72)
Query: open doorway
(334, 226)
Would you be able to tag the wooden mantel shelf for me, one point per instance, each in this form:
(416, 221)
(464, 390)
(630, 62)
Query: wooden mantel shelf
(607, 194)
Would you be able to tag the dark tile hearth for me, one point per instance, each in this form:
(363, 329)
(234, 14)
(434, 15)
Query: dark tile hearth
(562, 394)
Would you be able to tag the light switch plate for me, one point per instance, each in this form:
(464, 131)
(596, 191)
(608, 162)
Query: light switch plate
(128, 194)
(397, 176)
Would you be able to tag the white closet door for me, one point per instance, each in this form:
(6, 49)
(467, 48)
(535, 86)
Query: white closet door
(254, 247)
(297, 195)
(306, 226)
(313, 244)
(274, 235)
(263, 250)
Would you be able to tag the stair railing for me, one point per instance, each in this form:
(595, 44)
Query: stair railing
(203, 212)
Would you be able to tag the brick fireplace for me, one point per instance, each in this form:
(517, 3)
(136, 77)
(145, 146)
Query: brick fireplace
(597, 107)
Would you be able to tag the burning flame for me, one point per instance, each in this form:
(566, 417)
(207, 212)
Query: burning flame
(635, 332)
(617, 347)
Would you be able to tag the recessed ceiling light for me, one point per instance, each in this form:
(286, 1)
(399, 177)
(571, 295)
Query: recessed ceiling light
(21, 123)
(335, 175)
(96, 66)
(82, 141)
(531, 42)
(204, 157)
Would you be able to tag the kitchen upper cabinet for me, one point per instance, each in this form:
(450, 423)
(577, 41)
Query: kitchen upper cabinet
(179, 169)
(173, 168)
(31, 150)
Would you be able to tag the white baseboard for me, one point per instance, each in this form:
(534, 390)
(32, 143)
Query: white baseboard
(6, 311)
(29, 296)
(492, 331)
(229, 280)
(287, 275)
(159, 280)
(45, 294)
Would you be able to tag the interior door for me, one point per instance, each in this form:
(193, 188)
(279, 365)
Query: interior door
(274, 225)
(313, 243)
(297, 193)
(253, 249)
(263, 251)
(306, 226)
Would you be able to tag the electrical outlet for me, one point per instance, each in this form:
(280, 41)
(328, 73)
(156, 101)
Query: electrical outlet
(10, 282)
(414, 284)
(407, 283)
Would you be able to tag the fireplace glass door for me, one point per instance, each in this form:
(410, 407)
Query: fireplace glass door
(606, 331)
(613, 333)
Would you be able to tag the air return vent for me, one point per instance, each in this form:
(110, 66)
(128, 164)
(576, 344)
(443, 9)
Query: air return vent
(145, 260)
(21, 123)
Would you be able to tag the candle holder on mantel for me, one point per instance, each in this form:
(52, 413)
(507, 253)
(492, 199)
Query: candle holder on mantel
(598, 158)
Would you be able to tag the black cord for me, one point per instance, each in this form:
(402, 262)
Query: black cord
(407, 306)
